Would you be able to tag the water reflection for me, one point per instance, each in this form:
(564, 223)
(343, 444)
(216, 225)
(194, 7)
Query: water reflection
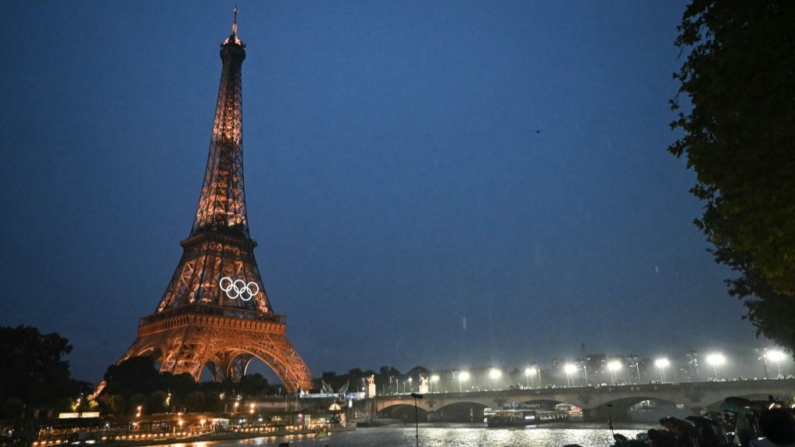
(455, 435)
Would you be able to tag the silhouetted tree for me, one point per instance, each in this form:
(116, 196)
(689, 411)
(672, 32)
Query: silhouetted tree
(387, 375)
(80, 388)
(136, 375)
(13, 408)
(195, 401)
(418, 371)
(111, 404)
(32, 367)
(739, 138)
(159, 402)
(388, 371)
(254, 385)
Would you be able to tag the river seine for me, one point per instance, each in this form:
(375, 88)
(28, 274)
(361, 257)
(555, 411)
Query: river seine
(450, 435)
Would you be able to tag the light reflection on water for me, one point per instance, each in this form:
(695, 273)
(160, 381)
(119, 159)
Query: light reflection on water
(452, 435)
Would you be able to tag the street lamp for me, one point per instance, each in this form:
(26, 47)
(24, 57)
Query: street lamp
(463, 376)
(661, 364)
(777, 357)
(416, 423)
(613, 366)
(716, 360)
(495, 374)
(527, 373)
(536, 372)
(410, 387)
(569, 369)
(435, 379)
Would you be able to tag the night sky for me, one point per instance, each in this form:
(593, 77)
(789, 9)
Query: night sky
(446, 184)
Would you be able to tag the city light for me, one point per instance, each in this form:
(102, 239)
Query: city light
(435, 379)
(463, 376)
(716, 360)
(529, 372)
(661, 364)
(495, 374)
(613, 366)
(569, 369)
(776, 357)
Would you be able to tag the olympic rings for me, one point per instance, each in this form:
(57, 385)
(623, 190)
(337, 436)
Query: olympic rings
(238, 288)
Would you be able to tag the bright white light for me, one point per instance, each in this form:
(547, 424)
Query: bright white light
(570, 368)
(614, 365)
(495, 373)
(434, 378)
(530, 372)
(463, 376)
(776, 356)
(238, 288)
(716, 359)
(662, 363)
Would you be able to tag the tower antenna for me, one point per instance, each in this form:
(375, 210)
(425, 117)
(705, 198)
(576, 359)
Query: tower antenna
(234, 23)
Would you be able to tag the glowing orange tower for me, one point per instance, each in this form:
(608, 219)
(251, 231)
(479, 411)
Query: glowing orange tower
(215, 312)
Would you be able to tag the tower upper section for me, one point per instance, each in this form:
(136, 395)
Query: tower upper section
(222, 204)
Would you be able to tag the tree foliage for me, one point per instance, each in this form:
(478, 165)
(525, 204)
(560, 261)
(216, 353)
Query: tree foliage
(136, 382)
(136, 375)
(33, 370)
(739, 138)
(254, 385)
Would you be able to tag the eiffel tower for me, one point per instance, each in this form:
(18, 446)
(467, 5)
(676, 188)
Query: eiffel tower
(215, 312)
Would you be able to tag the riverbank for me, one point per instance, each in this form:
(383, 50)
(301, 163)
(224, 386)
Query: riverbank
(146, 439)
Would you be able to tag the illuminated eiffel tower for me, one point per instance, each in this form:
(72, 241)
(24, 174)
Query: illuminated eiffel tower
(215, 312)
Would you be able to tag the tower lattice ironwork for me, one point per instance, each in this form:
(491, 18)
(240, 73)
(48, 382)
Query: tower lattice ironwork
(215, 312)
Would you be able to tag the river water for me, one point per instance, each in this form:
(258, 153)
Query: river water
(450, 435)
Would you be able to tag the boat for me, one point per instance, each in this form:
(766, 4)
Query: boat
(520, 415)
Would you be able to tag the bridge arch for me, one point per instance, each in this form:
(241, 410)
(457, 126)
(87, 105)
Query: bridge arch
(403, 411)
(462, 411)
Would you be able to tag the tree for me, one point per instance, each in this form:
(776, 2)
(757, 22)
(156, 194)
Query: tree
(158, 402)
(195, 401)
(419, 370)
(387, 371)
(12, 408)
(32, 366)
(136, 375)
(111, 404)
(739, 138)
(254, 385)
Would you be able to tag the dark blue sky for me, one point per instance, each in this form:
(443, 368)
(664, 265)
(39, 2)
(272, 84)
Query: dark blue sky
(396, 180)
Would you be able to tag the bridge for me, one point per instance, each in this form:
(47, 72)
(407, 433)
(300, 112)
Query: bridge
(597, 402)
(594, 400)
